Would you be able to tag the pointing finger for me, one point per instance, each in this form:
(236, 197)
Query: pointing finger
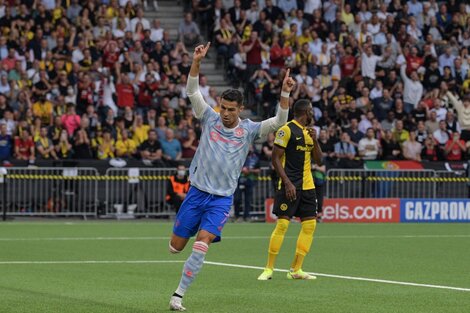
(288, 72)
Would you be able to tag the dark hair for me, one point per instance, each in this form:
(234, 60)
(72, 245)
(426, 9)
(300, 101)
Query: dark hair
(233, 95)
(301, 106)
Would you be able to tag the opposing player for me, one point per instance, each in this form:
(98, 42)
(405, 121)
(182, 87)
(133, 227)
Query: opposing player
(215, 169)
(294, 147)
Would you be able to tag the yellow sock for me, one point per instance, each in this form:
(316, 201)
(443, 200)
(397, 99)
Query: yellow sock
(304, 242)
(277, 237)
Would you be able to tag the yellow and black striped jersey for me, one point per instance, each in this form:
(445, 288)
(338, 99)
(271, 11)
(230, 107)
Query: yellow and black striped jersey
(296, 161)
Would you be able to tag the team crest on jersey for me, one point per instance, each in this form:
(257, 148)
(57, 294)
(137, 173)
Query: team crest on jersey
(215, 136)
(239, 132)
(283, 207)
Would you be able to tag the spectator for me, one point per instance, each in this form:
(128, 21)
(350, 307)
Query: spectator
(188, 31)
(441, 135)
(171, 147)
(125, 147)
(369, 147)
(177, 187)
(246, 184)
(106, 146)
(412, 148)
(400, 135)
(345, 152)
(43, 110)
(455, 148)
(140, 130)
(151, 149)
(44, 146)
(63, 147)
(390, 148)
(189, 145)
(463, 114)
(413, 89)
(70, 121)
(253, 48)
(430, 150)
(354, 133)
(5, 145)
(82, 142)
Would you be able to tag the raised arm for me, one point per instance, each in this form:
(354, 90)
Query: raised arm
(455, 102)
(272, 124)
(192, 87)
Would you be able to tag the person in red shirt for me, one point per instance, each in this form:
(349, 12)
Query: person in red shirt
(454, 148)
(276, 56)
(125, 88)
(70, 120)
(111, 54)
(147, 92)
(253, 48)
(348, 64)
(24, 146)
(413, 61)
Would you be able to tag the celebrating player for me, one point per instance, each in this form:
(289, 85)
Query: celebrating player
(215, 169)
(294, 147)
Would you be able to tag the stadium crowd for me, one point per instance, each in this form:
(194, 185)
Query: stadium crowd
(96, 79)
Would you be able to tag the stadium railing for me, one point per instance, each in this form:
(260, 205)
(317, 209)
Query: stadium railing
(141, 192)
(51, 192)
(137, 192)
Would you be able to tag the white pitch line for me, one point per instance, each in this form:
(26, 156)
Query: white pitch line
(374, 280)
(89, 262)
(234, 237)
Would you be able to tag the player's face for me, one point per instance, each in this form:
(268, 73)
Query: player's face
(309, 116)
(229, 113)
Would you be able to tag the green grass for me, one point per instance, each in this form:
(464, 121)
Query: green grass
(369, 250)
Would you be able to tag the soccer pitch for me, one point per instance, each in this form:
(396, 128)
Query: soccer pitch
(125, 267)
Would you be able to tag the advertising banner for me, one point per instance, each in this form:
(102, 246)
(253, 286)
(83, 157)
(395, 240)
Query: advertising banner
(385, 210)
(435, 210)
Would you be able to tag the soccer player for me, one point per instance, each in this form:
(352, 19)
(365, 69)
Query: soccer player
(294, 147)
(215, 168)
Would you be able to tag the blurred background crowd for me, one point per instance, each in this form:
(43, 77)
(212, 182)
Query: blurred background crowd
(97, 79)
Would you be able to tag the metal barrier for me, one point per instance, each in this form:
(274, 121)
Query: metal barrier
(51, 191)
(137, 192)
(142, 191)
(355, 183)
(452, 184)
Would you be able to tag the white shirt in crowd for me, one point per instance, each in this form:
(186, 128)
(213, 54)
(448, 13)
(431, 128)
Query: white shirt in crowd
(368, 64)
(369, 148)
(413, 90)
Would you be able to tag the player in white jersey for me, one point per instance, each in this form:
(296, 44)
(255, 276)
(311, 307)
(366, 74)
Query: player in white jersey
(215, 169)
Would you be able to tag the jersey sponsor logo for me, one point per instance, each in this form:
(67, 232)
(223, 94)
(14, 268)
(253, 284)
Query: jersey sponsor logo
(362, 210)
(298, 138)
(429, 210)
(215, 137)
(304, 148)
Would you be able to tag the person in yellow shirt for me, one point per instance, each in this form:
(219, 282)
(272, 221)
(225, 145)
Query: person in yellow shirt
(125, 147)
(43, 109)
(400, 134)
(346, 15)
(106, 148)
(306, 37)
(140, 130)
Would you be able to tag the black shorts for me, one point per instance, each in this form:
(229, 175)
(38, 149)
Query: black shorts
(305, 204)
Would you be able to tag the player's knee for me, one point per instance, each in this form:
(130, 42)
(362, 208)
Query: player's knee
(308, 227)
(281, 227)
(172, 249)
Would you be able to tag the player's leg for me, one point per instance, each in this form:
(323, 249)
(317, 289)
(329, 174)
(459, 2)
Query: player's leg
(213, 219)
(187, 220)
(284, 210)
(275, 243)
(307, 213)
